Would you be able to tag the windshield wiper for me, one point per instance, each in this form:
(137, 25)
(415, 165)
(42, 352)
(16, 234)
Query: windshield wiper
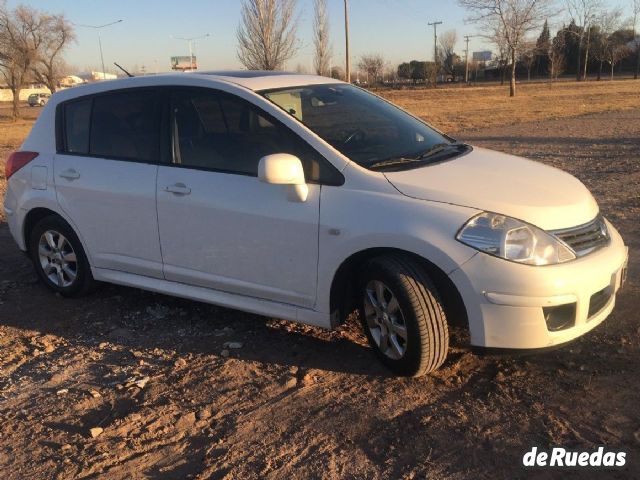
(392, 162)
(419, 158)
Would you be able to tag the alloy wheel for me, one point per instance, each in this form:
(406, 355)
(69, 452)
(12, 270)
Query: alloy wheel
(57, 258)
(385, 320)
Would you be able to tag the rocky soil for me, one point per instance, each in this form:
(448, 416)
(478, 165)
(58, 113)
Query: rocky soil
(126, 384)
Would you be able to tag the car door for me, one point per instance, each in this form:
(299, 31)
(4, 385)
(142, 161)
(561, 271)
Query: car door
(220, 227)
(105, 175)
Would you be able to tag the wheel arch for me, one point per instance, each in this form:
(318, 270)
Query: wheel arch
(343, 292)
(36, 214)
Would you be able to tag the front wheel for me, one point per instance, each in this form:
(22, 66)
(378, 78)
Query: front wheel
(59, 258)
(402, 316)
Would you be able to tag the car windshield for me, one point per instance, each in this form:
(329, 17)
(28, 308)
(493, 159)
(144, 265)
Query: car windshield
(364, 127)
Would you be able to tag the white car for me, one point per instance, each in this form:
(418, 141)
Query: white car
(302, 198)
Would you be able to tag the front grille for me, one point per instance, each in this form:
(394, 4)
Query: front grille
(598, 301)
(585, 239)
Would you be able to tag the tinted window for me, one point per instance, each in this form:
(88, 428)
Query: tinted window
(221, 132)
(126, 125)
(76, 117)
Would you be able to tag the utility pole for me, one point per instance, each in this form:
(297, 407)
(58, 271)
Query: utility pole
(435, 48)
(466, 59)
(346, 36)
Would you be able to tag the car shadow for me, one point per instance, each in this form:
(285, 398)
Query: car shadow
(140, 320)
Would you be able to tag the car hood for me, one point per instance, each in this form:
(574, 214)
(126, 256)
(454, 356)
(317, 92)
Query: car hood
(496, 182)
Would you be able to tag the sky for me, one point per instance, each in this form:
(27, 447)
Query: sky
(396, 29)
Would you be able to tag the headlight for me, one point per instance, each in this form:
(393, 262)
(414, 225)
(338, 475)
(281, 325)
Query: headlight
(514, 240)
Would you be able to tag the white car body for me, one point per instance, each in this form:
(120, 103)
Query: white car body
(241, 243)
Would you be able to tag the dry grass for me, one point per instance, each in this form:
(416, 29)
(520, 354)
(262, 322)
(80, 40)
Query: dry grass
(460, 108)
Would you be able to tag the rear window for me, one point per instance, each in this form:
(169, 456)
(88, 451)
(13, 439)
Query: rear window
(76, 126)
(119, 125)
(126, 125)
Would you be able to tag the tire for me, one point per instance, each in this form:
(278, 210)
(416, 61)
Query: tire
(58, 257)
(417, 310)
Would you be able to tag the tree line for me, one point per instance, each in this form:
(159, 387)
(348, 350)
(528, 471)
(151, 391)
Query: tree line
(594, 38)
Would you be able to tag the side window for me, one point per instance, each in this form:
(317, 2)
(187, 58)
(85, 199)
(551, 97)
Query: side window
(218, 131)
(76, 120)
(126, 125)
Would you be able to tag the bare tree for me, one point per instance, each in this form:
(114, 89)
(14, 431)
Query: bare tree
(528, 56)
(49, 67)
(446, 52)
(517, 18)
(322, 58)
(616, 49)
(20, 40)
(390, 75)
(556, 57)
(337, 72)
(372, 64)
(267, 34)
(608, 23)
(498, 39)
(448, 41)
(583, 13)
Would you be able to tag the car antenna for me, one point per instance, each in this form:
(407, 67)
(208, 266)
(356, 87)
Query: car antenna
(127, 73)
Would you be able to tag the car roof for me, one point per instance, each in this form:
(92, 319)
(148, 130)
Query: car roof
(263, 79)
(253, 80)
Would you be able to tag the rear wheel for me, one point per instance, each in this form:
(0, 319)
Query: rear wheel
(402, 316)
(59, 258)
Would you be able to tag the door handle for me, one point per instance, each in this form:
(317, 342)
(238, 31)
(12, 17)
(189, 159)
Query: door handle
(69, 174)
(178, 189)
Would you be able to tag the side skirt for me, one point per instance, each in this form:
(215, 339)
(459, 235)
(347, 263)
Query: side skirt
(258, 306)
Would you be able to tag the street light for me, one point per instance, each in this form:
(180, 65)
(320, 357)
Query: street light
(98, 27)
(190, 41)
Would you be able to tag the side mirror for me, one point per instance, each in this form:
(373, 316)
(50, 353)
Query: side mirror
(284, 169)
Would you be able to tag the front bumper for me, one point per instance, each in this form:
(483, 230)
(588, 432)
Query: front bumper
(505, 300)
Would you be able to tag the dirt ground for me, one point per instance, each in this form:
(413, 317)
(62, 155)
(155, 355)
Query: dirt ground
(174, 399)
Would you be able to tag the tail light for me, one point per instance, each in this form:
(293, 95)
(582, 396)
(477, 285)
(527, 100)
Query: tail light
(16, 161)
